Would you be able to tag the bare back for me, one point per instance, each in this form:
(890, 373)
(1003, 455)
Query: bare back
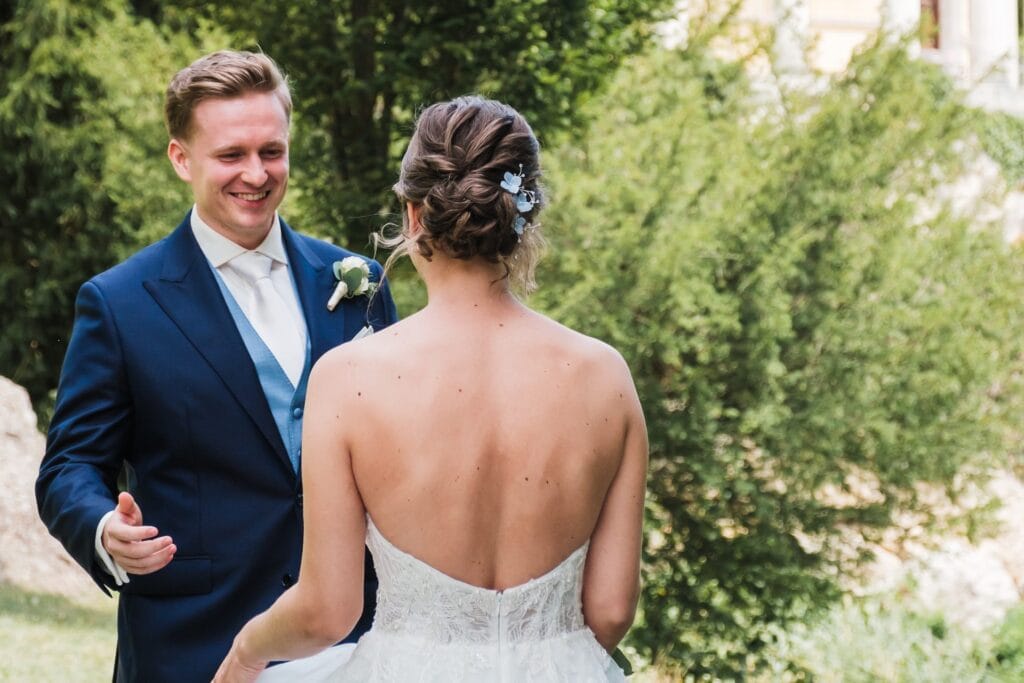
(485, 444)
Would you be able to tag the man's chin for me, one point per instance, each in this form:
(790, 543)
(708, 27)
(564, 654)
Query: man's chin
(254, 220)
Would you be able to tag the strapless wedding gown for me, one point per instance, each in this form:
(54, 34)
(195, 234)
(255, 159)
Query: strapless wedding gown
(432, 627)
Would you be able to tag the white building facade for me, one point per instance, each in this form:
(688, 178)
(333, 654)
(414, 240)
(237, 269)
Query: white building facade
(976, 41)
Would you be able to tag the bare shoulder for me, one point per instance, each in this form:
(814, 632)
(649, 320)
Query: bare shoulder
(605, 368)
(587, 349)
(356, 365)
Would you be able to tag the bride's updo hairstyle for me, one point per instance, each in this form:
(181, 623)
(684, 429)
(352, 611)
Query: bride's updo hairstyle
(472, 168)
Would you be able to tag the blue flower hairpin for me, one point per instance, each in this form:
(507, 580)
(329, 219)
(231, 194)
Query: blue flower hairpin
(525, 199)
(513, 181)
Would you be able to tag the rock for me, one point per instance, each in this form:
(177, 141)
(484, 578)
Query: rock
(29, 557)
(972, 585)
(969, 585)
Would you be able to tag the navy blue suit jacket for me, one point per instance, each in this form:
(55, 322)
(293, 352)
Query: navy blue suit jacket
(157, 376)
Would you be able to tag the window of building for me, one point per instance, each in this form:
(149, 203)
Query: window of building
(930, 23)
(1020, 19)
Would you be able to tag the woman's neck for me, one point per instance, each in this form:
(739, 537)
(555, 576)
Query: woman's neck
(458, 285)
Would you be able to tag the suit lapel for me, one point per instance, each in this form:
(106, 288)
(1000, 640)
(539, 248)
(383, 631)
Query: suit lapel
(315, 281)
(189, 295)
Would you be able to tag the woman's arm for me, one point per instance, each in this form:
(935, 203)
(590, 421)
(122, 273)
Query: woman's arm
(611, 580)
(327, 600)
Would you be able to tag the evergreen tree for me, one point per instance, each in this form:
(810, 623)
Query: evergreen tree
(82, 164)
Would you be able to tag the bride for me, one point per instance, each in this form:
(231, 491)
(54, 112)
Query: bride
(492, 460)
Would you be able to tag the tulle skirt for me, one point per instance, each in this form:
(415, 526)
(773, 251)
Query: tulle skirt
(380, 657)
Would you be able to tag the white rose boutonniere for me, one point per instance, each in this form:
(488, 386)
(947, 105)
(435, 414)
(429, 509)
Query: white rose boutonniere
(353, 276)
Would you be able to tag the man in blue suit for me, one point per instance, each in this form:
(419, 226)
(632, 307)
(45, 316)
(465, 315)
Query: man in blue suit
(187, 370)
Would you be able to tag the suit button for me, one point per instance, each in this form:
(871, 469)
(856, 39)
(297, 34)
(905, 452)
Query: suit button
(287, 580)
(297, 413)
(298, 500)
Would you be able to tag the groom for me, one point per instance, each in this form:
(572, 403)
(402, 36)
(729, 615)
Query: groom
(187, 370)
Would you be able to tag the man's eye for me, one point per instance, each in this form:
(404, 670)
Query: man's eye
(272, 153)
(230, 155)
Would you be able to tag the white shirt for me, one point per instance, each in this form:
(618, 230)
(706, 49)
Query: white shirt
(219, 250)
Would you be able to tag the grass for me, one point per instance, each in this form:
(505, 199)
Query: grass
(46, 638)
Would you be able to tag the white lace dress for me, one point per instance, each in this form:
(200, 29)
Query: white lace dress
(431, 627)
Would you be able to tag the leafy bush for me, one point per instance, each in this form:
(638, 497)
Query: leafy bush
(1002, 136)
(801, 312)
(1007, 659)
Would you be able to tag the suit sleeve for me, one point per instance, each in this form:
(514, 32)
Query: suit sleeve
(89, 434)
(382, 306)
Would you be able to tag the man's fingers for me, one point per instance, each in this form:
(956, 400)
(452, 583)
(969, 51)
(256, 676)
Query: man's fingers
(157, 560)
(148, 563)
(137, 550)
(151, 563)
(125, 533)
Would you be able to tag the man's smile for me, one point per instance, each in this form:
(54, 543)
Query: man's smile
(251, 196)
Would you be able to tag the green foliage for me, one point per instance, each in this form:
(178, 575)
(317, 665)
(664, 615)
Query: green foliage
(83, 166)
(885, 640)
(362, 70)
(799, 310)
(1008, 649)
(1003, 138)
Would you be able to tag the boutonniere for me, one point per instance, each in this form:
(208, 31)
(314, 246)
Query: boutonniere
(353, 276)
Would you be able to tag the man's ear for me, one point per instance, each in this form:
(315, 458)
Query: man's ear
(412, 213)
(178, 155)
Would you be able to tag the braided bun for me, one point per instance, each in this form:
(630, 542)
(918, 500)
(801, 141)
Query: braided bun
(453, 170)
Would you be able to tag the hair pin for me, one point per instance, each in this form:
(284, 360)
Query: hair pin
(525, 199)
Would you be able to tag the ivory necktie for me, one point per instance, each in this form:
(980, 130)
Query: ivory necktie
(269, 314)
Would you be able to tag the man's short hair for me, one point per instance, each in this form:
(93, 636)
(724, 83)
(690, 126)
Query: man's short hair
(225, 73)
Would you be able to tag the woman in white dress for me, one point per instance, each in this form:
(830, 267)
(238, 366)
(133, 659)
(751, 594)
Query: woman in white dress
(492, 460)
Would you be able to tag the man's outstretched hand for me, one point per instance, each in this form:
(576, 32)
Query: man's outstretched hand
(136, 548)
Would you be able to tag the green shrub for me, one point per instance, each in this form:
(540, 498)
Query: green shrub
(799, 309)
(1008, 648)
(1002, 136)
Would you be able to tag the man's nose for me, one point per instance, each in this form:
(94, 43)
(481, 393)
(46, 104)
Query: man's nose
(255, 172)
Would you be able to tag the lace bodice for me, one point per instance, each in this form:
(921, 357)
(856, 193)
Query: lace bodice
(415, 598)
(432, 628)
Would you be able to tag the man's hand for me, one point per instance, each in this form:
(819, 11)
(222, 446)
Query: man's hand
(136, 548)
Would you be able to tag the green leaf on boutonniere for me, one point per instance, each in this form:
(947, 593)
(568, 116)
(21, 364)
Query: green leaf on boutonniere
(620, 658)
(353, 276)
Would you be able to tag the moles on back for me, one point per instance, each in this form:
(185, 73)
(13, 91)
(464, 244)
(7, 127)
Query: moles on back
(487, 439)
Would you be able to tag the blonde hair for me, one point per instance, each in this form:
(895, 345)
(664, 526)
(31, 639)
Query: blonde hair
(225, 73)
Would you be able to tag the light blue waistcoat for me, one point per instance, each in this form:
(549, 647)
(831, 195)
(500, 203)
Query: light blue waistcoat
(285, 400)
